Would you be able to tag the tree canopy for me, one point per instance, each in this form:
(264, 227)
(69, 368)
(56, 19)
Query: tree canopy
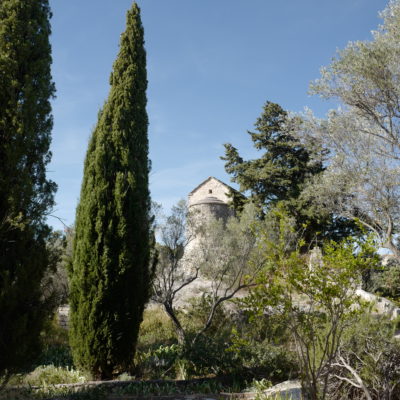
(26, 194)
(361, 181)
(278, 177)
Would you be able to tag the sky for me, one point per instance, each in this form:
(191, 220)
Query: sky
(212, 64)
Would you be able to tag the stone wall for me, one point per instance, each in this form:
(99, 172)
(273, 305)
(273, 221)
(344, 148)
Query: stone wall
(63, 316)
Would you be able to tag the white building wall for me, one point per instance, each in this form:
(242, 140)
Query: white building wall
(217, 188)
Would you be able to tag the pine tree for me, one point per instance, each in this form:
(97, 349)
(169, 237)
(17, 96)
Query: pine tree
(110, 273)
(26, 195)
(278, 177)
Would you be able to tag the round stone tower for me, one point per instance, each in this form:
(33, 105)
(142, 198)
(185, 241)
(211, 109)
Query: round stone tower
(210, 207)
(207, 201)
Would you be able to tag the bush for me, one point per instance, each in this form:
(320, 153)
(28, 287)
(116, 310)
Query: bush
(155, 330)
(263, 359)
(263, 353)
(387, 281)
(159, 355)
(197, 312)
(158, 363)
(45, 375)
(369, 354)
(262, 346)
(204, 358)
(209, 356)
(56, 350)
(57, 355)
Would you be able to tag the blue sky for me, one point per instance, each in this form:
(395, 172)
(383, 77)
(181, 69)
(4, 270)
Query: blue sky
(212, 64)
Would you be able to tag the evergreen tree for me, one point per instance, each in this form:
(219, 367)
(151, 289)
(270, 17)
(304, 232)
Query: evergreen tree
(110, 273)
(278, 177)
(26, 195)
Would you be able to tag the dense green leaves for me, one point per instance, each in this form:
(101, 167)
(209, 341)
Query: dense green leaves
(316, 295)
(279, 175)
(281, 169)
(110, 273)
(26, 195)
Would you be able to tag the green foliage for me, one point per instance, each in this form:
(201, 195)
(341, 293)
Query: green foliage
(56, 350)
(262, 348)
(45, 375)
(205, 357)
(385, 280)
(209, 356)
(155, 330)
(160, 356)
(363, 133)
(159, 362)
(57, 355)
(26, 195)
(55, 392)
(316, 293)
(259, 385)
(280, 174)
(110, 274)
(147, 389)
(196, 313)
(157, 350)
(368, 361)
(283, 167)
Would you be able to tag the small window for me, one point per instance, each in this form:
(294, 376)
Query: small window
(209, 191)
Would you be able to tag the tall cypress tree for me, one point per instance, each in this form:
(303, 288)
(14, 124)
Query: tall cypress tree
(110, 273)
(26, 195)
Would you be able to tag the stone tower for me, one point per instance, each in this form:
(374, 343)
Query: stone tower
(208, 200)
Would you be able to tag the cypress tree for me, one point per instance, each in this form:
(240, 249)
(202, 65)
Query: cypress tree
(110, 273)
(26, 195)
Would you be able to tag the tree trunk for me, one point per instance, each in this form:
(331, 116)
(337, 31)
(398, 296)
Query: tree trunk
(177, 325)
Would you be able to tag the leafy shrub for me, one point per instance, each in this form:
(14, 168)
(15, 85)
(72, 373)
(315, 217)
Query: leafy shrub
(149, 389)
(209, 356)
(155, 330)
(262, 346)
(369, 354)
(57, 355)
(197, 311)
(125, 377)
(54, 392)
(263, 359)
(159, 356)
(55, 350)
(45, 375)
(159, 362)
(387, 281)
(203, 358)
(156, 349)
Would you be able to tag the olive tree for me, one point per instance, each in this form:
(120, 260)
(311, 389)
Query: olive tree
(362, 181)
(171, 276)
(224, 261)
